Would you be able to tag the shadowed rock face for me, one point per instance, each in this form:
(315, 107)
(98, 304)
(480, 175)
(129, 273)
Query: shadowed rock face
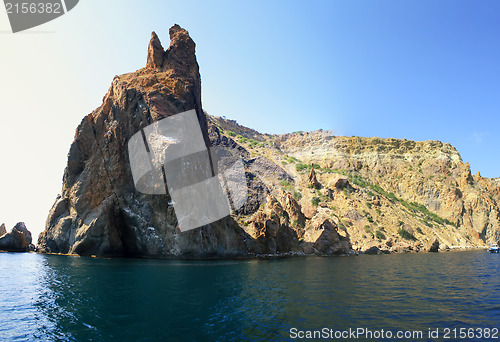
(18, 240)
(99, 211)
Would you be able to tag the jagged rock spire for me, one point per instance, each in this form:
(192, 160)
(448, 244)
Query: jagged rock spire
(180, 56)
(155, 53)
(313, 181)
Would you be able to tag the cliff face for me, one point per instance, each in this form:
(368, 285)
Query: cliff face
(396, 195)
(308, 193)
(99, 210)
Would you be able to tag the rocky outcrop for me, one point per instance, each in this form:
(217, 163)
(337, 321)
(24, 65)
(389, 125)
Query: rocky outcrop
(18, 240)
(99, 211)
(308, 192)
(394, 194)
(21, 227)
(155, 53)
(2, 229)
(313, 181)
(322, 237)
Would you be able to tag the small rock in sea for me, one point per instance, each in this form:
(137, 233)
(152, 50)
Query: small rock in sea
(18, 240)
(373, 250)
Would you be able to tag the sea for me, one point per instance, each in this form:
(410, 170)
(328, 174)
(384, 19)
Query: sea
(451, 296)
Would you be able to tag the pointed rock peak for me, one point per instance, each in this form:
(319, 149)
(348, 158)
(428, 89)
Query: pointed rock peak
(154, 37)
(176, 29)
(3, 231)
(181, 44)
(180, 56)
(313, 181)
(155, 53)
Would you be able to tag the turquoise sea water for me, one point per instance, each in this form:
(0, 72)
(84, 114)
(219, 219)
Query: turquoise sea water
(61, 298)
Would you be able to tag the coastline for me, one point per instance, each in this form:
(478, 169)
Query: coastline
(260, 256)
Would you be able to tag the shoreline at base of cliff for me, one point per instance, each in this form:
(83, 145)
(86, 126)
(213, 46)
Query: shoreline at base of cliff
(261, 256)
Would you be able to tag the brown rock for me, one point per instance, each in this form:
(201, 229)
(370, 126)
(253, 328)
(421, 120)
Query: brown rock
(2, 229)
(308, 209)
(339, 182)
(293, 209)
(15, 241)
(444, 248)
(466, 176)
(313, 182)
(99, 210)
(401, 247)
(18, 240)
(155, 53)
(21, 227)
(321, 237)
(271, 230)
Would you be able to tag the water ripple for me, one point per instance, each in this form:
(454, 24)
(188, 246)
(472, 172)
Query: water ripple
(61, 298)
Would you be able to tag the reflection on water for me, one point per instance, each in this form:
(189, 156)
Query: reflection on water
(21, 289)
(77, 299)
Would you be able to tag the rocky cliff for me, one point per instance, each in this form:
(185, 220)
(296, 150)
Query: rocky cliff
(309, 193)
(99, 211)
(392, 194)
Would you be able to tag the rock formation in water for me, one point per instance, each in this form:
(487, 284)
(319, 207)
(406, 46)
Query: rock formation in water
(99, 211)
(18, 240)
(308, 193)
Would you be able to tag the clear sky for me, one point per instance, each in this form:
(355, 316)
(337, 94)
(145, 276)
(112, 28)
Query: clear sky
(406, 69)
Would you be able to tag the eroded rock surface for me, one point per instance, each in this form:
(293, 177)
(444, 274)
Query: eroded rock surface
(17, 240)
(99, 211)
(308, 192)
(393, 194)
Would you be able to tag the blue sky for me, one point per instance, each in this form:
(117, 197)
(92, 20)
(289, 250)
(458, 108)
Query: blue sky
(407, 69)
(418, 70)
